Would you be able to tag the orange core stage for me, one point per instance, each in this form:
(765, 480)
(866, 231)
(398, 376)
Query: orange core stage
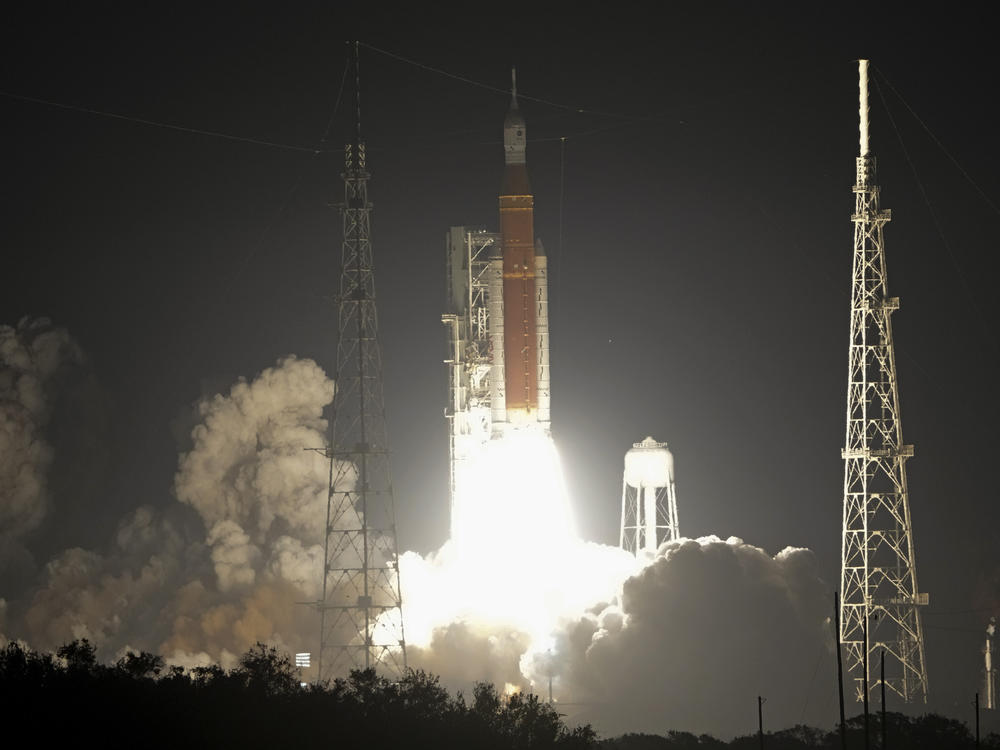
(517, 233)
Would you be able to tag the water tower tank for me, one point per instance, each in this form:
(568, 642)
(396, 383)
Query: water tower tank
(649, 503)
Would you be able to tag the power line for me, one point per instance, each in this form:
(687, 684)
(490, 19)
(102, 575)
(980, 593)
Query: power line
(940, 145)
(259, 243)
(488, 87)
(976, 611)
(969, 296)
(165, 125)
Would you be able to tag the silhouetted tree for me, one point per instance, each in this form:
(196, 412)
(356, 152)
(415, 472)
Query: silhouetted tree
(80, 655)
(261, 704)
(265, 669)
(142, 665)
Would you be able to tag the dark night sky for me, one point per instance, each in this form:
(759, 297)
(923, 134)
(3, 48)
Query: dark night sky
(700, 294)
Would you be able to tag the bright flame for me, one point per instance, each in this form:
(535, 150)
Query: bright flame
(514, 492)
(515, 561)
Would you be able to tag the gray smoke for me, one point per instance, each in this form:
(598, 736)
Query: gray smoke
(692, 640)
(31, 355)
(689, 643)
(227, 566)
(463, 654)
(701, 632)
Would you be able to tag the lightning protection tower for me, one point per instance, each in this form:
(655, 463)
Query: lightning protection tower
(361, 622)
(879, 596)
(649, 502)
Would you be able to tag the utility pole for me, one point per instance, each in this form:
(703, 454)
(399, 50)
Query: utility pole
(550, 675)
(885, 730)
(760, 721)
(878, 568)
(977, 721)
(864, 682)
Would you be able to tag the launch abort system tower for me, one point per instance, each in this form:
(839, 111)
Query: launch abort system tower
(361, 624)
(879, 596)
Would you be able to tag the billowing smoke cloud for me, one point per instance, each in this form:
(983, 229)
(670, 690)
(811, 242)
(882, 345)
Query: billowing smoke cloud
(464, 653)
(255, 461)
(699, 633)
(688, 642)
(31, 355)
(228, 565)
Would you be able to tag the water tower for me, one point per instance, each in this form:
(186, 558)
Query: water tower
(649, 501)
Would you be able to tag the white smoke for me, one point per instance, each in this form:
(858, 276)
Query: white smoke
(290, 560)
(199, 587)
(31, 355)
(686, 643)
(699, 633)
(233, 556)
(686, 640)
(255, 460)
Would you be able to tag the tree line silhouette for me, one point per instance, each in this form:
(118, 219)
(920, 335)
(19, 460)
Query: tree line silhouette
(139, 700)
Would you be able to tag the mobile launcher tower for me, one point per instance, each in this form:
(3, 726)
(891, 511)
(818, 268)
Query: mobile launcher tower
(497, 319)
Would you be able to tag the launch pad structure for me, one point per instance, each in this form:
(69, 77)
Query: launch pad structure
(880, 599)
(470, 273)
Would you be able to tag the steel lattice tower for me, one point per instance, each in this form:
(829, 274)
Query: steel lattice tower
(880, 600)
(361, 623)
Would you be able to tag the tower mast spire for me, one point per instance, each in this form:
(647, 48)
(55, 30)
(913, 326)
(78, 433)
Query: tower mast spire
(863, 107)
(361, 622)
(357, 97)
(879, 594)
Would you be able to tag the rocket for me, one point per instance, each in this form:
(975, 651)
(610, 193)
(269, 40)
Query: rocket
(519, 333)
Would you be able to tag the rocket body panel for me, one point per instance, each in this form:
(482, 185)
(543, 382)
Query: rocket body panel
(498, 390)
(520, 334)
(542, 329)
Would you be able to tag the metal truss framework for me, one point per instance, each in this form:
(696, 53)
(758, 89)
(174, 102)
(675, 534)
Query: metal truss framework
(880, 599)
(470, 256)
(658, 505)
(361, 609)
